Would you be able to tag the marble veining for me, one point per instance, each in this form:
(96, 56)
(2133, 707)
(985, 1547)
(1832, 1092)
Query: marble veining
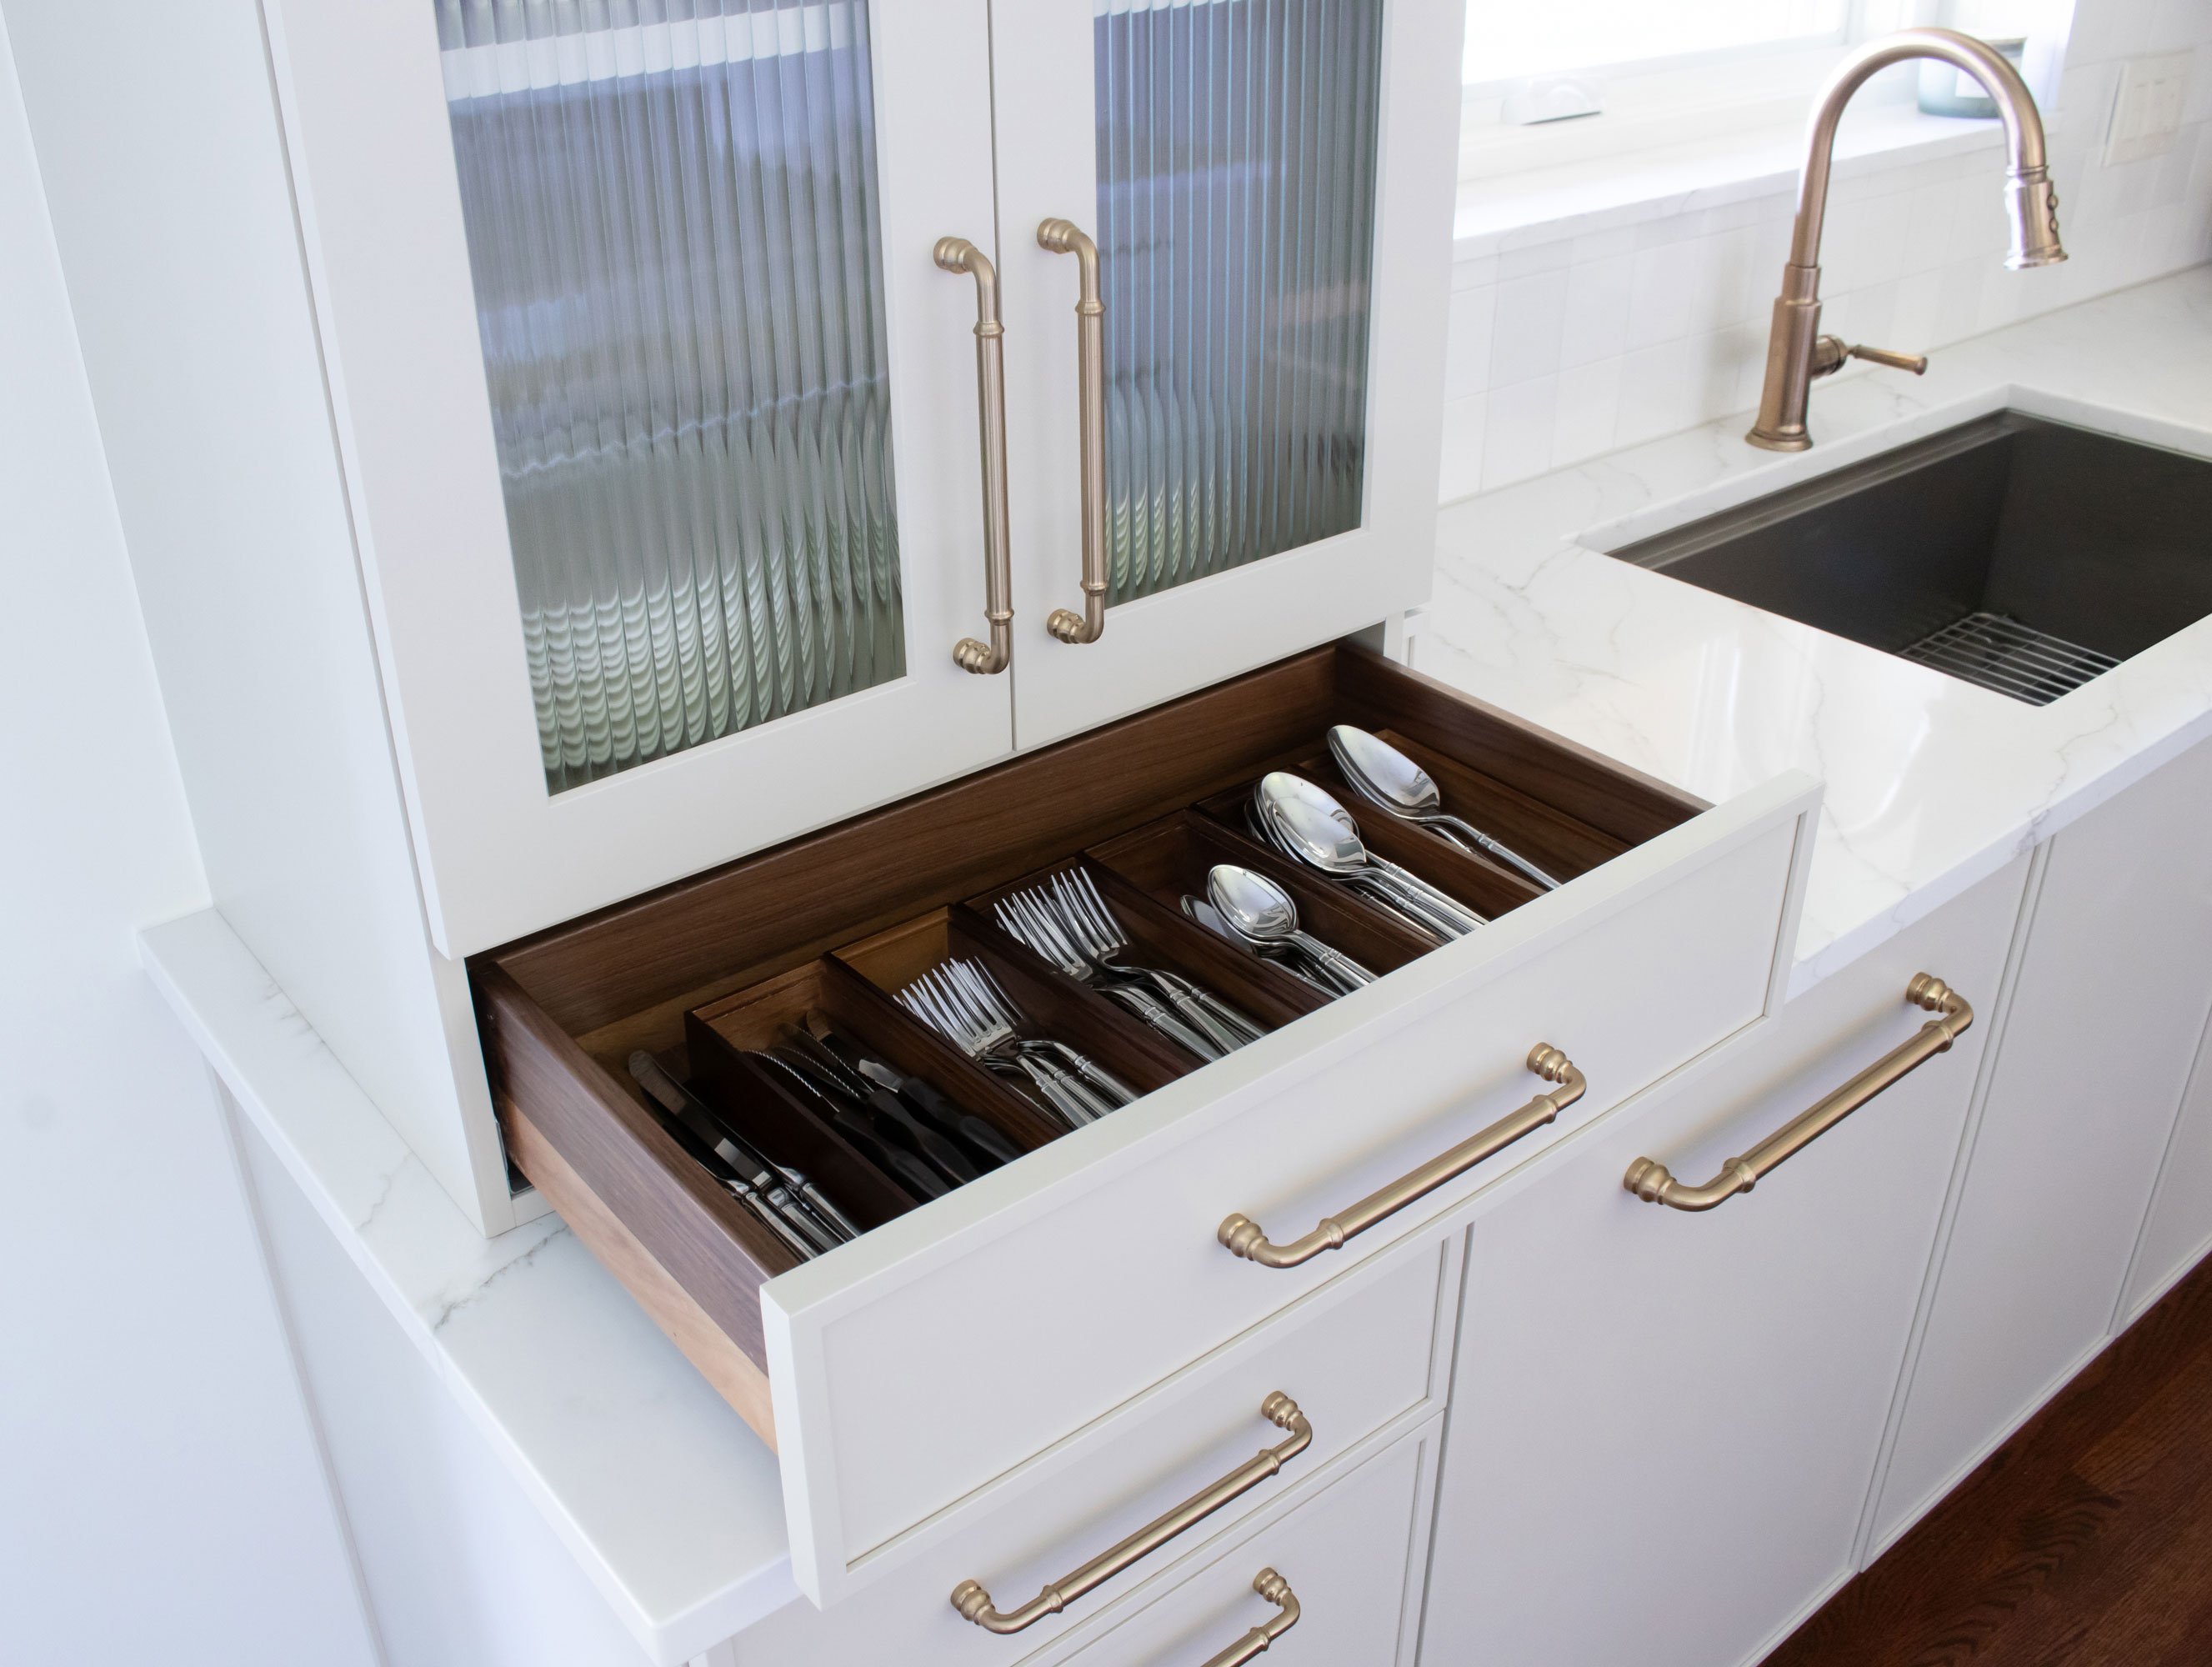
(1931, 783)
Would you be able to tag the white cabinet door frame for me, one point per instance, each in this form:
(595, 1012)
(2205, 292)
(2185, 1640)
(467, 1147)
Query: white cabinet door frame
(1176, 641)
(376, 183)
(1673, 1420)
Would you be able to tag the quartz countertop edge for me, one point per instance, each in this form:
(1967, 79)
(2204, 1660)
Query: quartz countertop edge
(1930, 783)
(670, 1505)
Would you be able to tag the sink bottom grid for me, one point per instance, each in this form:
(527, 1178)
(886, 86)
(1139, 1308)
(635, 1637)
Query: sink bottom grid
(2009, 657)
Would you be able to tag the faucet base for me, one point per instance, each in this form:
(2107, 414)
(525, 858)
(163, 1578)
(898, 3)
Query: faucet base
(1768, 442)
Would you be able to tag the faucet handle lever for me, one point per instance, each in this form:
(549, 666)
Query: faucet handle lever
(1915, 362)
(1830, 352)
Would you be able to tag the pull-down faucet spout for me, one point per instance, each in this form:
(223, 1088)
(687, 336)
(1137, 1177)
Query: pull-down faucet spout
(1797, 352)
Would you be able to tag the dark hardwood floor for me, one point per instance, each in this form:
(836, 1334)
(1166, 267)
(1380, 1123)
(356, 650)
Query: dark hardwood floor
(2085, 1540)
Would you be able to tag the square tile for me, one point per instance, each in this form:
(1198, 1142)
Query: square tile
(1532, 314)
(1517, 440)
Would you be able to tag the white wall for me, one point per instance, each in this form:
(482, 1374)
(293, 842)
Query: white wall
(1565, 344)
(160, 1498)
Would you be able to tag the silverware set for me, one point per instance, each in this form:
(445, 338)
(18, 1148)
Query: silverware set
(960, 1001)
(1306, 823)
(923, 1145)
(1066, 922)
(1387, 779)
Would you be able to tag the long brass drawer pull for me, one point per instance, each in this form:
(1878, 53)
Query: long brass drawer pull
(958, 254)
(1277, 1590)
(975, 1604)
(1650, 1180)
(1063, 237)
(1244, 1237)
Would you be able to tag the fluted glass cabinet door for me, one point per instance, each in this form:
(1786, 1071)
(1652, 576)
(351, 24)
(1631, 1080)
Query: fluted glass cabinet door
(1267, 183)
(660, 419)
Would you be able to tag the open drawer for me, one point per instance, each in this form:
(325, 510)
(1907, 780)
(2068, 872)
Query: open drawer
(957, 1337)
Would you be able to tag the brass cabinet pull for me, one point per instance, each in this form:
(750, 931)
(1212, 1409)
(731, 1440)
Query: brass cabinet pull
(1649, 1179)
(1062, 237)
(975, 1604)
(1244, 1237)
(958, 254)
(1277, 1590)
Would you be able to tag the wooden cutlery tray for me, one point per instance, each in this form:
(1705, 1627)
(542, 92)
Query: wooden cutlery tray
(705, 973)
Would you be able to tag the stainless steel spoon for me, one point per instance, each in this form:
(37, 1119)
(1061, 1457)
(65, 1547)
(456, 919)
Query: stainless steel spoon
(1198, 909)
(1391, 782)
(1318, 830)
(1255, 906)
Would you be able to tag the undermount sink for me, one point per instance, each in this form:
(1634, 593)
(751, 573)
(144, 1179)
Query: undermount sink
(2022, 555)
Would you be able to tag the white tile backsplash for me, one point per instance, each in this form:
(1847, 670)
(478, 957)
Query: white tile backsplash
(1566, 343)
(1526, 342)
(1516, 435)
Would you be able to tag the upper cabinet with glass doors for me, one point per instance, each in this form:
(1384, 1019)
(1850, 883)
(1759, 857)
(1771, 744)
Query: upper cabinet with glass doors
(709, 398)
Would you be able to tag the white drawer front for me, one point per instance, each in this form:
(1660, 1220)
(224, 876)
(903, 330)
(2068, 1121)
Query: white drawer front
(1350, 1557)
(1043, 1297)
(1364, 1356)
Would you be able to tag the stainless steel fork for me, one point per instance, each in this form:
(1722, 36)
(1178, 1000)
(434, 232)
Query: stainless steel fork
(1039, 919)
(1102, 937)
(962, 1002)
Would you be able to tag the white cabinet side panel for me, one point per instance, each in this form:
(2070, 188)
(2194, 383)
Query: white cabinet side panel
(159, 142)
(460, 1567)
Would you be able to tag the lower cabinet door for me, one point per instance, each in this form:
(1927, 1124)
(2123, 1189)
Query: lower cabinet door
(2107, 1012)
(1334, 1581)
(1664, 1424)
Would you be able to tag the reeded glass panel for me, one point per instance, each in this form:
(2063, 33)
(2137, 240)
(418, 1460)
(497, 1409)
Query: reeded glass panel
(1237, 148)
(672, 215)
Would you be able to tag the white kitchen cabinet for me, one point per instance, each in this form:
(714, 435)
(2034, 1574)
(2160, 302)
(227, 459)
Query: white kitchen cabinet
(550, 460)
(659, 414)
(2114, 981)
(1664, 1424)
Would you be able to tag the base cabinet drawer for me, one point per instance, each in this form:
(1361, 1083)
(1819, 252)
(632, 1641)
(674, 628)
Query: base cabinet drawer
(1665, 1422)
(1360, 1361)
(1346, 1568)
(1047, 1292)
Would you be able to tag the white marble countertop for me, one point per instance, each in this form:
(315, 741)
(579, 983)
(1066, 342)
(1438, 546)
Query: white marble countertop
(674, 1509)
(1931, 783)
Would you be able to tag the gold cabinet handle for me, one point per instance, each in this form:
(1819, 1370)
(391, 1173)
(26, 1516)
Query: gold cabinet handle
(1649, 1179)
(1062, 237)
(958, 254)
(1244, 1236)
(975, 1604)
(1277, 1590)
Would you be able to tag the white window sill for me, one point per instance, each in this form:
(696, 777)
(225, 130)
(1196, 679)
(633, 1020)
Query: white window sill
(1541, 206)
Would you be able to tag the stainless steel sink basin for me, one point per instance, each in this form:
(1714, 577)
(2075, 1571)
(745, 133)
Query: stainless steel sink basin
(2019, 554)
